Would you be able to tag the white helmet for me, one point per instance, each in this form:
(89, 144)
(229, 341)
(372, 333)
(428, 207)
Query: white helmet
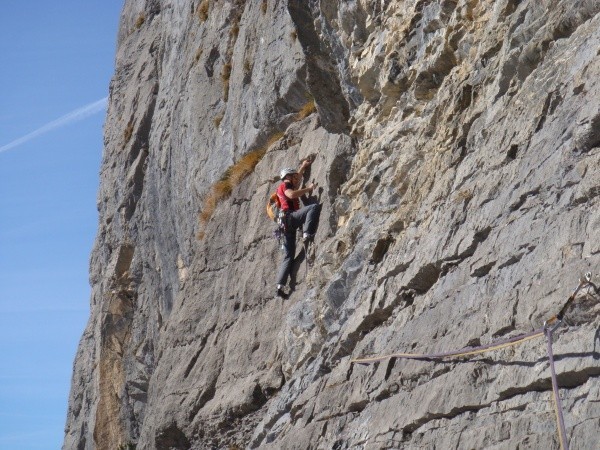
(287, 171)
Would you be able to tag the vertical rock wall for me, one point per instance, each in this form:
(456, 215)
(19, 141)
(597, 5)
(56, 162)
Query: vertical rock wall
(457, 151)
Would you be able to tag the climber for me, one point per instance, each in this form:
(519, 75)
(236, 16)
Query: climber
(307, 217)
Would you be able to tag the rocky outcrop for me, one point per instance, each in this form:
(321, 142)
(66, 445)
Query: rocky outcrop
(457, 150)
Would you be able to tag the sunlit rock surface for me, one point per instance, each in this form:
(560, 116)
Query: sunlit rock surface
(457, 149)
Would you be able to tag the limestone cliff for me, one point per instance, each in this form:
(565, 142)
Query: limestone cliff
(457, 147)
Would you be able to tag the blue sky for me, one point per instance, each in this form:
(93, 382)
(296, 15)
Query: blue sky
(57, 58)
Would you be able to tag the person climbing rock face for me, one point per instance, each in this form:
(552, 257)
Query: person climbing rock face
(307, 217)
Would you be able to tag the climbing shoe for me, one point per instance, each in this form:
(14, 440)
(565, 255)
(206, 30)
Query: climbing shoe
(281, 293)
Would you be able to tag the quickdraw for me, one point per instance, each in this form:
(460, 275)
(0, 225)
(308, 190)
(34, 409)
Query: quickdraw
(308, 256)
(546, 330)
(586, 282)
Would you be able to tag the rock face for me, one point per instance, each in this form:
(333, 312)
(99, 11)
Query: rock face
(457, 148)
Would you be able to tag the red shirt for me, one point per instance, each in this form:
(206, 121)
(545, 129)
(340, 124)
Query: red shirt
(287, 204)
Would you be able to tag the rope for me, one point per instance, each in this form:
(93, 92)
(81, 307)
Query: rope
(560, 421)
(466, 351)
(469, 351)
(307, 256)
(306, 263)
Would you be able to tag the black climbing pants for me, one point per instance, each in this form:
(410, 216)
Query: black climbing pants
(307, 218)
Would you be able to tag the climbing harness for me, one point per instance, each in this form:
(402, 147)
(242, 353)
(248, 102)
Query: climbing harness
(546, 330)
(279, 236)
(279, 216)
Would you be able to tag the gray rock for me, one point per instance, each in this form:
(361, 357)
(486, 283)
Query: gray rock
(457, 149)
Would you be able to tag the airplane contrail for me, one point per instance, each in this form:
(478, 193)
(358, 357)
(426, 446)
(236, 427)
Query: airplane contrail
(67, 119)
